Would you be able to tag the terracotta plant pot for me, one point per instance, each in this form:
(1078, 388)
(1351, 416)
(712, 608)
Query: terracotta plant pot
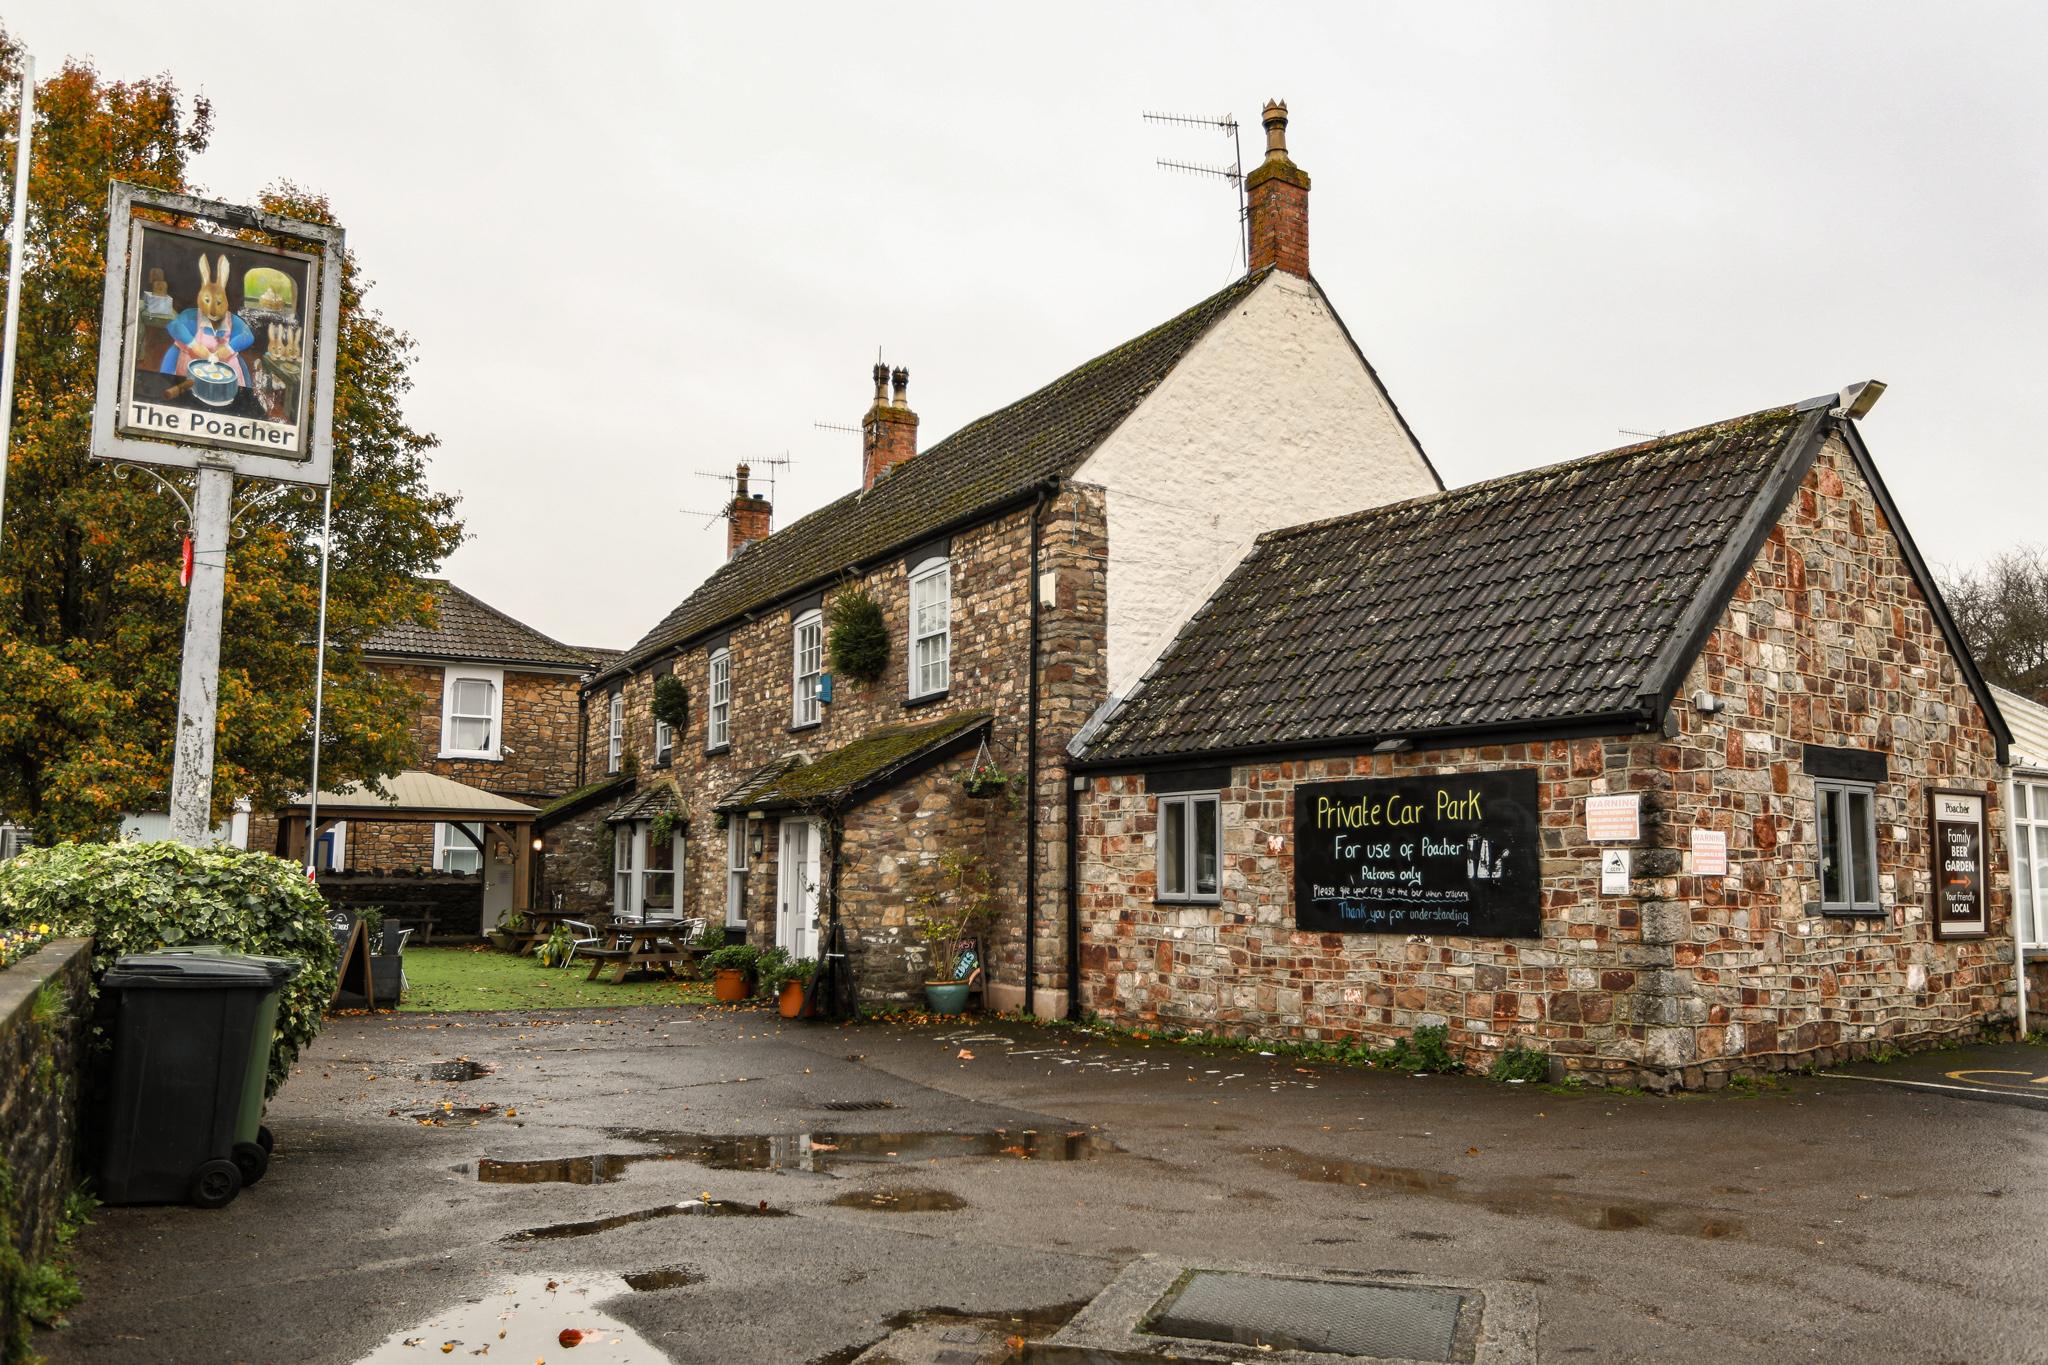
(792, 1002)
(946, 997)
(729, 986)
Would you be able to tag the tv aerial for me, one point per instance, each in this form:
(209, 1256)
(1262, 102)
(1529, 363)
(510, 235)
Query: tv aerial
(1233, 173)
(769, 463)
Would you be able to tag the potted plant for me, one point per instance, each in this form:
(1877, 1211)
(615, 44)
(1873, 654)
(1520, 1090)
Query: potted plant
(555, 951)
(506, 933)
(986, 779)
(953, 914)
(731, 965)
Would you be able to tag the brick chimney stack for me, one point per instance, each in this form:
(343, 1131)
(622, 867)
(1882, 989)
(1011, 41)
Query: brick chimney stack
(889, 431)
(747, 520)
(1276, 196)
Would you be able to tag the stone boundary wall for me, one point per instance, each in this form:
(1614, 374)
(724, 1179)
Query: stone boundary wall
(45, 1009)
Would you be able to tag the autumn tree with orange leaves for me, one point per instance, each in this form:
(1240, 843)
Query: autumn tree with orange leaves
(91, 612)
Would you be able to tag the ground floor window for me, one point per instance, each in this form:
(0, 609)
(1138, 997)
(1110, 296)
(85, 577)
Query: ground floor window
(644, 871)
(455, 851)
(735, 873)
(2030, 860)
(1190, 829)
(1847, 817)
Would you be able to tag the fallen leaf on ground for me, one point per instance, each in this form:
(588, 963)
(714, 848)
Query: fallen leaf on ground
(824, 1146)
(570, 1336)
(965, 1055)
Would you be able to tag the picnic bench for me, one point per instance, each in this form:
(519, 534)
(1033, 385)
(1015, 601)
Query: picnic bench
(649, 945)
(540, 924)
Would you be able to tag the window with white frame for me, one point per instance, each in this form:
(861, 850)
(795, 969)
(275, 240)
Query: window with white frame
(736, 872)
(2030, 859)
(718, 722)
(931, 627)
(644, 870)
(455, 851)
(472, 700)
(664, 735)
(808, 644)
(1846, 815)
(1190, 840)
(615, 740)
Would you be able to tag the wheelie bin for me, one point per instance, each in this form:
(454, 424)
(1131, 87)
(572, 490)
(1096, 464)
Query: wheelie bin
(253, 1142)
(185, 1097)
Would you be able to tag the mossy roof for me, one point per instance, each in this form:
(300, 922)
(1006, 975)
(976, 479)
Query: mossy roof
(468, 629)
(587, 794)
(1554, 596)
(979, 468)
(878, 759)
(648, 802)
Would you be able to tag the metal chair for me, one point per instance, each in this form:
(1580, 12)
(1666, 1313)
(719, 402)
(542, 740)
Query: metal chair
(582, 935)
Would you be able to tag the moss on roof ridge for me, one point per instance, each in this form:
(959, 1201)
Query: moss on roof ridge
(872, 755)
(584, 792)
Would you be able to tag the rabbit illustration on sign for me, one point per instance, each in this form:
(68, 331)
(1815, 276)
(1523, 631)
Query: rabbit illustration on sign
(208, 331)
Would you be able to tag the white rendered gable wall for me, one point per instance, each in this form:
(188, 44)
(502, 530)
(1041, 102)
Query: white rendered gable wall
(1270, 420)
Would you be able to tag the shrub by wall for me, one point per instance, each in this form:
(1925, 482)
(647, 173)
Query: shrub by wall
(136, 897)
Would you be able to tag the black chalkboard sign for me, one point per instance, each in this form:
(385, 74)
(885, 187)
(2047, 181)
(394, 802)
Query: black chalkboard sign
(1420, 855)
(352, 975)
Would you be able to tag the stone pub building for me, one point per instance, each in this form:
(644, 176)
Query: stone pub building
(1669, 762)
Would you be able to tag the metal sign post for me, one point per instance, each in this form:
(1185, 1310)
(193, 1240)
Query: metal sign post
(217, 354)
(24, 136)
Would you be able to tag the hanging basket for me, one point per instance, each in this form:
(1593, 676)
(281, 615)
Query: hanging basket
(985, 777)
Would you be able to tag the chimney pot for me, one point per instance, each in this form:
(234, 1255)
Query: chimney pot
(889, 431)
(748, 518)
(1276, 200)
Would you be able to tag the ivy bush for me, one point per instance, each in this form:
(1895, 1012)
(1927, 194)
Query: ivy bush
(136, 898)
(859, 640)
(671, 702)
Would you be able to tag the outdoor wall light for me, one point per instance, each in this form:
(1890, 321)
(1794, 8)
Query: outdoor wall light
(539, 844)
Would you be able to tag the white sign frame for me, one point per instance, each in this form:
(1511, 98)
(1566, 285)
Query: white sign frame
(110, 444)
(1624, 812)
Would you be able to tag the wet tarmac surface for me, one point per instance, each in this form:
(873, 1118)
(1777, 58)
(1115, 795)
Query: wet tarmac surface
(628, 1154)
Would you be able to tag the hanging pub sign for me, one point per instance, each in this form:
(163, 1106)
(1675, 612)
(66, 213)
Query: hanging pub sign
(216, 349)
(1420, 855)
(1957, 819)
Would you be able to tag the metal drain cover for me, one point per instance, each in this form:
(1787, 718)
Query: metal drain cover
(852, 1106)
(1401, 1321)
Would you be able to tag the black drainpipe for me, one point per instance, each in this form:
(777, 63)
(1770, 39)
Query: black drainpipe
(1031, 774)
(842, 1003)
(582, 732)
(1073, 900)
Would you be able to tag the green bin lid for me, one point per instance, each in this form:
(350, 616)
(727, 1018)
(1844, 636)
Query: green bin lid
(189, 971)
(281, 968)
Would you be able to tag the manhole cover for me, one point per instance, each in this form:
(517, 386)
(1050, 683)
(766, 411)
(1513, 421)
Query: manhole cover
(1407, 1323)
(853, 1106)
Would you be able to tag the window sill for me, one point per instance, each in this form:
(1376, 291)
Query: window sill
(472, 756)
(1848, 911)
(802, 726)
(927, 699)
(664, 760)
(1187, 900)
(718, 750)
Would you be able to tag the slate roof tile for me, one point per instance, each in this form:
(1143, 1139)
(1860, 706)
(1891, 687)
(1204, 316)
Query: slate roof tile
(1541, 597)
(467, 629)
(978, 468)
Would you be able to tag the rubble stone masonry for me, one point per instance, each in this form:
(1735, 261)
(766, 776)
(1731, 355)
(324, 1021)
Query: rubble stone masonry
(1686, 980)
(892, 842)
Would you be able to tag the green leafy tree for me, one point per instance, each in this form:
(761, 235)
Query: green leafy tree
(91, 612)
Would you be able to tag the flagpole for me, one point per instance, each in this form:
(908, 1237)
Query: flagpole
(24, 135)
(319, 680)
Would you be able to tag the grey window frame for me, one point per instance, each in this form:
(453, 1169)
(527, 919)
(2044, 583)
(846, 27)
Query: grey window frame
(1188, 892)
(1832, 796)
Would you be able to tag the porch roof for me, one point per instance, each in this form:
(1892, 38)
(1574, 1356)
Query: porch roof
(880, 758)
(416, 795)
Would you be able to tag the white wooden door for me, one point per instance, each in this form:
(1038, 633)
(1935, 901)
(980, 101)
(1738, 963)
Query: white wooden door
(796, 907)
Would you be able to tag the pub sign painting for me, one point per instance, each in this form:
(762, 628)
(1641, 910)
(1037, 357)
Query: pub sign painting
(1958, 849)
(218, 342)
(1460, 855)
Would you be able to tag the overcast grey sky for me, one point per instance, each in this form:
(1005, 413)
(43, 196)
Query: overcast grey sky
(639, 241)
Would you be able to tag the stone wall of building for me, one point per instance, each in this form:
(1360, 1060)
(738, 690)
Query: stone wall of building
(45, 1009)
(576, 863)
(992, 584)
(538, 722)
(1686, 979)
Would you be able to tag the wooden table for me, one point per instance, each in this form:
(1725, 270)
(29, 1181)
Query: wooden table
(634, 947)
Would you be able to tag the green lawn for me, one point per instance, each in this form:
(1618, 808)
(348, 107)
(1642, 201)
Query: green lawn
(445, 980)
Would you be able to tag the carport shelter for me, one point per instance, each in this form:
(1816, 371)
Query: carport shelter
(1668, 762)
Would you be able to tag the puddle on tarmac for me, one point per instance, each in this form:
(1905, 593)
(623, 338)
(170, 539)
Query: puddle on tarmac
(461, 1069)
(1601, 1215)
(567, 1170)
(523, 1317)
(828, 1151)
(699, 1208)
(442, 1115)
(948, 1330)
(895, 1199)
(668, 1277)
